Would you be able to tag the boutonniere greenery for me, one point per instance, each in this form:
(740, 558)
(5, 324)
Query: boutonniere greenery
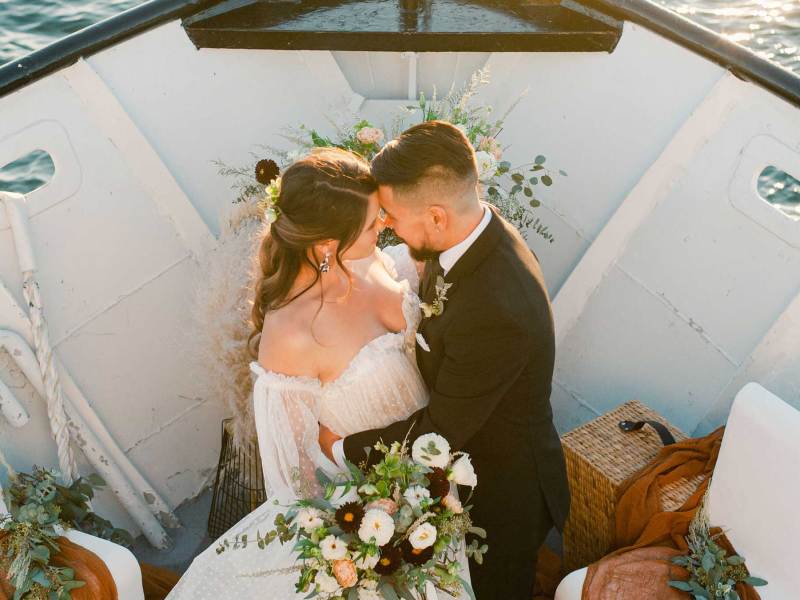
(436, 308)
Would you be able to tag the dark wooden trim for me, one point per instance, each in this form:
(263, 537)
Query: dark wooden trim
(599, 41)
(543, 26)
(18, 73)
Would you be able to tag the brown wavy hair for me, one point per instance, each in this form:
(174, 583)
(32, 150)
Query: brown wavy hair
(323, 196)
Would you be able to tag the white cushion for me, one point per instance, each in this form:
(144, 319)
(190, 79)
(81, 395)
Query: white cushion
(571, 587)
(754, 492)
(121, 563)
(756, 488)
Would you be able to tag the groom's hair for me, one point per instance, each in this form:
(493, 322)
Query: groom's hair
(432, 151)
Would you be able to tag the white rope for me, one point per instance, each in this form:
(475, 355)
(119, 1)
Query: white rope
(53, 393)
(12, 475)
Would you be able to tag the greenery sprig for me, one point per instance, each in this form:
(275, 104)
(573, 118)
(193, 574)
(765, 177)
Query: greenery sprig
(40, 508)
(712, 573)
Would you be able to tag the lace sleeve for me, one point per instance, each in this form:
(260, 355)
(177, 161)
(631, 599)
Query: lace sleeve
(288, 438)
(401, 265)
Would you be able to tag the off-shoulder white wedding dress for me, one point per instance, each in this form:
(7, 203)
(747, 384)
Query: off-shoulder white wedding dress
(381, 385)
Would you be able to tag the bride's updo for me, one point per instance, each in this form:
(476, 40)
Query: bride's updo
(323, 196)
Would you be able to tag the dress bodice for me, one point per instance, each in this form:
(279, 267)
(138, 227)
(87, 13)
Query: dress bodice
(381, 384)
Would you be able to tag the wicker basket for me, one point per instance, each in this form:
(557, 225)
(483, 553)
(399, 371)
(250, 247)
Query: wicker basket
(600, 457)
(239, 485)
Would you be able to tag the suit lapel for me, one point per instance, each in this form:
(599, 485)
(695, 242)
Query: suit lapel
(433, 328)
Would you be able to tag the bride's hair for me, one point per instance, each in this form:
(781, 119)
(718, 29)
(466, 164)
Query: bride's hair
(323, 196)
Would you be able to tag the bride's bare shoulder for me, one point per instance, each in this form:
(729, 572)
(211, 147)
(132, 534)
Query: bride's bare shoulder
(286, 343)
(389, 295)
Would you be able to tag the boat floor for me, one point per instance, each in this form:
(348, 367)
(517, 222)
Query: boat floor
(191, 539)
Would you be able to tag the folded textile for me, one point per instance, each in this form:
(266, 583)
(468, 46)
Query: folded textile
(646, 538)
(88, 567)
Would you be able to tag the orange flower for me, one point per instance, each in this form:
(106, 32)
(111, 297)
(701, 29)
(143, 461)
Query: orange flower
(345, 573)
(384, 504)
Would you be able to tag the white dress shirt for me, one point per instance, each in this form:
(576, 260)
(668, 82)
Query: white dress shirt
(447, 260)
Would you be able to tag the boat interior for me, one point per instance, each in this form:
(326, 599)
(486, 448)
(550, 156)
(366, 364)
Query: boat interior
(674, 275)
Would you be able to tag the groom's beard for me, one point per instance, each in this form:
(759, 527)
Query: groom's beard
(422, 254)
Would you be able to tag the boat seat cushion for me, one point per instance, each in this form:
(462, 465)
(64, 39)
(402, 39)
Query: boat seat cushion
(753, 493)
(121, 563)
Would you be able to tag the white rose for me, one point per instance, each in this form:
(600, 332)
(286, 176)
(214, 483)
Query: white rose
(367, 562)
(325, 583)
(431, 450)
(340, 498)
(378, 525)
(333, 548)
(416, 494)
(309, 519)
(487, 165)
(463, 473)
(423, 536)
(369, 135)
(453, 504)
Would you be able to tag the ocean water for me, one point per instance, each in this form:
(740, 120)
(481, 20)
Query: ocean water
(769, 27)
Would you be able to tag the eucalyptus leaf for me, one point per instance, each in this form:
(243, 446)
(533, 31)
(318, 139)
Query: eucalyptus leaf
(388, 592)
(681, 585)
(467, 587)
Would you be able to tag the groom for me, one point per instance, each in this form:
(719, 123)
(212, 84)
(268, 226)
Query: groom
(487, 358)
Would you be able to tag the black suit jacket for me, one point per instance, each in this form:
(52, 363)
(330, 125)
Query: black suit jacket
(489, 371)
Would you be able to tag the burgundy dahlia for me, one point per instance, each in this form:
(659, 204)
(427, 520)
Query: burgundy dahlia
(414, 556)
(439, 485)
(349, 516)
(266, 170)
(389, 561)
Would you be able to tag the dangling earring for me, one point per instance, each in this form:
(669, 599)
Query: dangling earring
(325, 265)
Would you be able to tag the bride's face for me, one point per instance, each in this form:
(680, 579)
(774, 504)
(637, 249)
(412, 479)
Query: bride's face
(364, 246)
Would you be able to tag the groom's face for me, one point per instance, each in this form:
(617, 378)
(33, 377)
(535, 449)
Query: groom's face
(412, 222)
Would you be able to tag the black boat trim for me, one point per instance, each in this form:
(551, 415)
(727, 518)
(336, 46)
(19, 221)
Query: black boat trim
(67, 50)
(741, 61)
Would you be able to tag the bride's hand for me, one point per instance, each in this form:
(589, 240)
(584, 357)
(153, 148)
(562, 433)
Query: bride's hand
(326, 440)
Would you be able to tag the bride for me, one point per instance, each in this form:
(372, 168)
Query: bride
(334, 327)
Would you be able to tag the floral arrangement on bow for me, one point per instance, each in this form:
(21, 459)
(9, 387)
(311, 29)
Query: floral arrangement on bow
(386, 532)
(712, 572)
(509, 188)
(40, 509)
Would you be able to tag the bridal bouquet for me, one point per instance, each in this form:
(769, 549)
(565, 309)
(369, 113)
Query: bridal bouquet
(384, 532)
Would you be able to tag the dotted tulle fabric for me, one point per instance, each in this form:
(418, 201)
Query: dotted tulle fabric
(381, 385)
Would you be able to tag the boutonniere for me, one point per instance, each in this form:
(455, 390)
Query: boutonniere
(436, 308)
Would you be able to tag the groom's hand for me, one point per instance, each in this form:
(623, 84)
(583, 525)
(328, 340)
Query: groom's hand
(326, 440)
